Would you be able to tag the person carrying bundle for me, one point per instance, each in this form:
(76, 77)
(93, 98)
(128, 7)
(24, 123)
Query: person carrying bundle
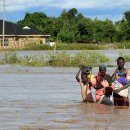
(85, 83)
(122, 82)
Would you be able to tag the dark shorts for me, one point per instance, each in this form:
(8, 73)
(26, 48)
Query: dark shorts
(106, 101)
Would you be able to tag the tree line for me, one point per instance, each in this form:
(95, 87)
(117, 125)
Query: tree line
(72, 26)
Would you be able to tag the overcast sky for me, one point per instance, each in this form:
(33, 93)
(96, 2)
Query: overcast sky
(102, 9)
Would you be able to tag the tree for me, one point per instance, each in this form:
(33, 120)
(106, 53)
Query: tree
(109, 29)
(127, 16)
(98, 30)
(72, 26)
(85, 30)
(72, 13)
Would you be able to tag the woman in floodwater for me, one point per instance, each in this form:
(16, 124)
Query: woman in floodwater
(120, 74)
(103, 85)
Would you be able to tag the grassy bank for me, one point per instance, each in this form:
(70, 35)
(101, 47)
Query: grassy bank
(78, 46)
(34, 46)
(74, 46)
(65, 46)
(123, 45)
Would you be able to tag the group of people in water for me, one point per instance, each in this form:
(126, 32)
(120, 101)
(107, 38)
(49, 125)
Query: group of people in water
(110, 89)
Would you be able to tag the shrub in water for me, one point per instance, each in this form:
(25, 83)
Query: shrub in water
(9, 57)
(59, 59)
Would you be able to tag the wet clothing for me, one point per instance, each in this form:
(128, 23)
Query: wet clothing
(117, 85)
(89, 98)
(106, 100)
(121, 77)
(104, 87)
(122, 80)
(120, 100)
(86, 94)
(122, 74)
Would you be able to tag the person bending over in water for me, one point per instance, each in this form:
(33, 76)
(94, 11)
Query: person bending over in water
(85, 84)
(120, 75)
(103, 85)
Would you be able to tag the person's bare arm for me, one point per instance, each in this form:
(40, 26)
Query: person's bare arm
(77, 75)
(114, 75)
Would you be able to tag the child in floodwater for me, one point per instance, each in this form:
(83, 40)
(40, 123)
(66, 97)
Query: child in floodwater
(85, 84)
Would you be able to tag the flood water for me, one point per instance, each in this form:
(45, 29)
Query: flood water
(49, 98)
(110, 53)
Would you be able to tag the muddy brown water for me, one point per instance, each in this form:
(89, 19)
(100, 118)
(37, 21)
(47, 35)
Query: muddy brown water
(49, 98)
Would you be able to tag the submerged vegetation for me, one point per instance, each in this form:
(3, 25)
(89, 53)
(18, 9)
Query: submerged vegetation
(89, 58)
(60, 59)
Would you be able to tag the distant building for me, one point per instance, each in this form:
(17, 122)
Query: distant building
(49, 43)
(17, 36)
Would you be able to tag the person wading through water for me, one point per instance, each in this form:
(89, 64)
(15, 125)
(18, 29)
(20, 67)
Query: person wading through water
(120, 75)
(84, 83)
(103, 85)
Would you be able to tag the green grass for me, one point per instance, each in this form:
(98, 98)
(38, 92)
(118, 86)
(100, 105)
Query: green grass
(74, 46)
(66, 46)
(60, 59)
(9, 57)
(34, 46)
(89, 58)
(126, 56)
(77, 46)
(34, 61)
(122, 45)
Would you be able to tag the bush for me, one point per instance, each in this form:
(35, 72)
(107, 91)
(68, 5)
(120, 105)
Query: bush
(89, 58)
(122, 45)
(35, 61)
(9, 57)
(34, 46)
(59, 59)
(77, 46)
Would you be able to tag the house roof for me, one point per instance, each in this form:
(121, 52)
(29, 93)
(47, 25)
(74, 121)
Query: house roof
(12, 29)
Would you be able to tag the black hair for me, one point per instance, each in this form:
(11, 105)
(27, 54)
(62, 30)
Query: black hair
(120, 58)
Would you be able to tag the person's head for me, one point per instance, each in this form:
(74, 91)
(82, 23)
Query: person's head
(102, 69)
(108, 91)
(120, 62)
